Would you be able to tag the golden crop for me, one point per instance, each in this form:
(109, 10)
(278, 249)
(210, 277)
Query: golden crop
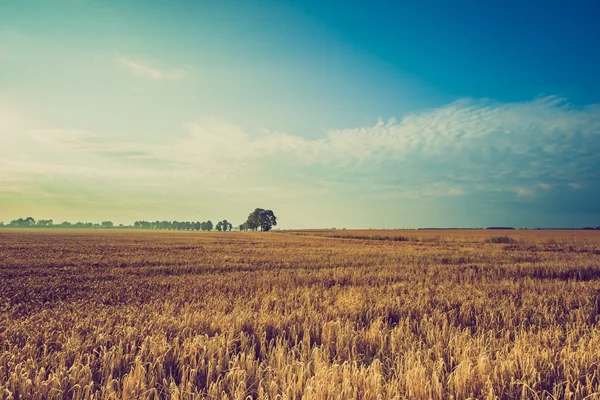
(300, 315)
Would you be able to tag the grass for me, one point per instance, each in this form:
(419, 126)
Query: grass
(435, 315)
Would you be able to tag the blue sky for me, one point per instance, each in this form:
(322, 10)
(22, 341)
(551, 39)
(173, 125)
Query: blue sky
(346, 114)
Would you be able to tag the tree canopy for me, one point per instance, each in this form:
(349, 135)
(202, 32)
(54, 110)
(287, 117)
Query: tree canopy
(263, 219)
(224, 226)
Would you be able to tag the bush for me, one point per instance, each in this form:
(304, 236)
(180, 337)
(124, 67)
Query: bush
(500, 239)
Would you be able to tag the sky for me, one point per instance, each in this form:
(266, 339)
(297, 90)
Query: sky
(379, 114)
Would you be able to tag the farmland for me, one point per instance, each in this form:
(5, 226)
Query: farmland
(302, 314)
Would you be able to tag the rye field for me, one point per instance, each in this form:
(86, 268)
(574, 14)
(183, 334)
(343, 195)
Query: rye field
(299, 314)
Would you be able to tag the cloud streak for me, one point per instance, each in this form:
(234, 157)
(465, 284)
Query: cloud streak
(145, 70)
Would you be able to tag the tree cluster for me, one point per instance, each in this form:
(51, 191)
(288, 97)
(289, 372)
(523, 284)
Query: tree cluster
(223, 226)
(259, 218)
(22, 222)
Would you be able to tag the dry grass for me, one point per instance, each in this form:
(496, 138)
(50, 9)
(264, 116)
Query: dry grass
(440, 315)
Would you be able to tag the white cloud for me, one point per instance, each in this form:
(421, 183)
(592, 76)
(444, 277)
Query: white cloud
(524, 191)
(544, 185)
(146, 70)
(543, 126)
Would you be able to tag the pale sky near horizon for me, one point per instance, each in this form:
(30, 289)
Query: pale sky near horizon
(351, 114)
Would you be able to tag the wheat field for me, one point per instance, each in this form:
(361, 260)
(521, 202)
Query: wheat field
(299, 315)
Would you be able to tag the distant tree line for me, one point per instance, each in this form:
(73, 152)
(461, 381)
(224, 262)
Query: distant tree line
(174, 225)
(30, 222)
(221, 226)
(259, 218)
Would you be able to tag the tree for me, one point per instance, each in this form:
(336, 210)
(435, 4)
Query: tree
(265, 219)
(254, 219)
(17, 222)
(107, 224)
(224, 226)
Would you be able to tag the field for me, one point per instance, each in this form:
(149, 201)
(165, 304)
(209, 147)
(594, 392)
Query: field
(305, 314)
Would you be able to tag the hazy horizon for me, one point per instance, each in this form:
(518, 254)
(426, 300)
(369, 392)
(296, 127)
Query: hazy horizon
(378, 115)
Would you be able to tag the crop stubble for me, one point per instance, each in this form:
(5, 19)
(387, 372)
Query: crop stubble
(306, 314)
